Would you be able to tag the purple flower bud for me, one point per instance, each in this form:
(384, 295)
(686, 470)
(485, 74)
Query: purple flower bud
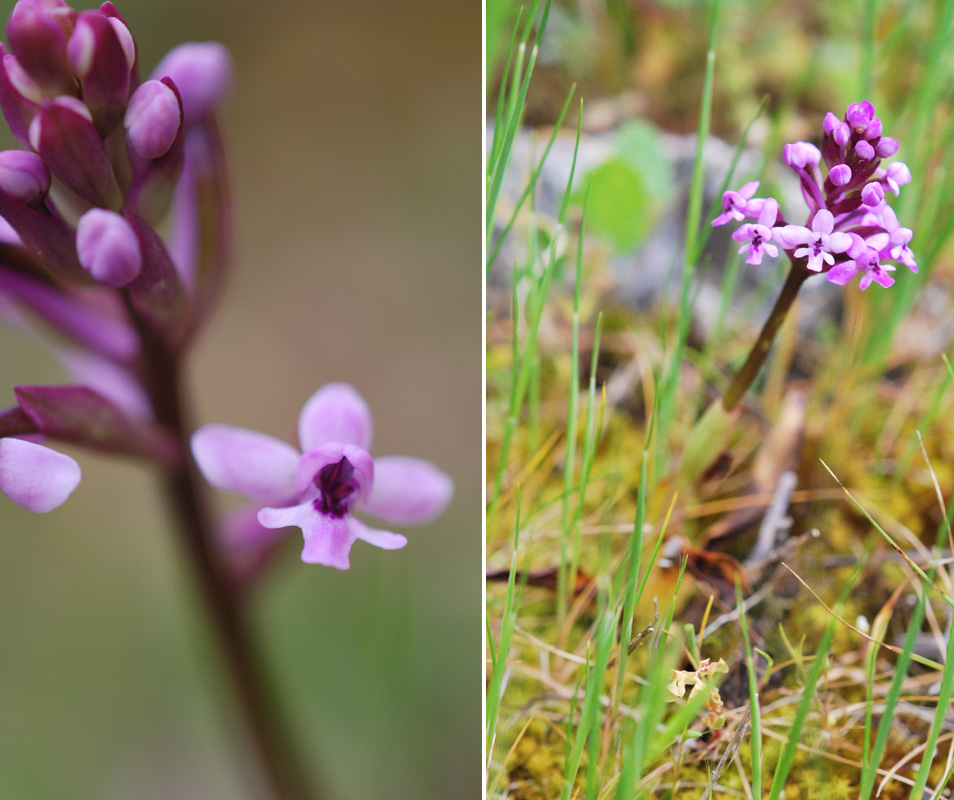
(18, 110)
(840, 174)
(125, 37)
(896, 176)
(864, 150)
(64, 136)
(872, 195)
(101, 61)
(108, 247)
(23, 175)
(886, 147)
(37, 32)
(35, 477)
(152, 119)
(28, 88)
(801, 154)
(841, 134)
(202, 72)
(830, 123)
(874, 129)
(737, 205)
(859, 115)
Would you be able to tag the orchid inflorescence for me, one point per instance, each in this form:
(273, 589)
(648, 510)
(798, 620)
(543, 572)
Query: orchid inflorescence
(114, 233)
(106, 161)
(850, 229)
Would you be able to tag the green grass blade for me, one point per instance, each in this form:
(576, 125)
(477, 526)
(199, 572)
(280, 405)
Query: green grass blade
(591, 701)
(693, 220)
(787, 757)
(507, 622)
(534, 177)
(755, 710)
(569, 461)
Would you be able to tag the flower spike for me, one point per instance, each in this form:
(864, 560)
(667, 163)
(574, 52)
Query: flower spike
(850, 230)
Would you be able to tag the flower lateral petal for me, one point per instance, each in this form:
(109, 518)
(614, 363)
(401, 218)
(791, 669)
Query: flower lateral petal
(250, 463)
(386, 540)
(407, 491)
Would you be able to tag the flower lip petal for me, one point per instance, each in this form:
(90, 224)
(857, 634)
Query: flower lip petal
(407, 491)
(35, 477)
(250, 463)
(335, 413)
(328, 541)
(313, 460)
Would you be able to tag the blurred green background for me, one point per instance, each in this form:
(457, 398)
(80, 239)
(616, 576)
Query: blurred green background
(356, 155)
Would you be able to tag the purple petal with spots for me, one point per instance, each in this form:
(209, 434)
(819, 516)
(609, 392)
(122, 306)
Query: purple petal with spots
(35, 477)
(247, 462)
(335, 413)
(407, 491)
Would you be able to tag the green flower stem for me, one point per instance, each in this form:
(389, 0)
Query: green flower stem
(185, 492)
(753, 364)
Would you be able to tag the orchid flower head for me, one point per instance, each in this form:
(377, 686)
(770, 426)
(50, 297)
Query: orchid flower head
(849, 229)
(319, 488)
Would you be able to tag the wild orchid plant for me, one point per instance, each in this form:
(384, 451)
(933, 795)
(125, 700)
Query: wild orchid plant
(115, 233)
(850, 229)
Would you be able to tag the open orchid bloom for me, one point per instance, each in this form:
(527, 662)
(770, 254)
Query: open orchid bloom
(318, 488)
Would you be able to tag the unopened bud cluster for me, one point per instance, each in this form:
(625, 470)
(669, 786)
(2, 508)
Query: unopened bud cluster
(114, 227)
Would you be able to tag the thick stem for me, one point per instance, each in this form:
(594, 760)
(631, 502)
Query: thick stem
(184, 490)
(753, 364)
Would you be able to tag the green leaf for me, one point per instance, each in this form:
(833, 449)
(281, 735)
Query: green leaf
(618, 204)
